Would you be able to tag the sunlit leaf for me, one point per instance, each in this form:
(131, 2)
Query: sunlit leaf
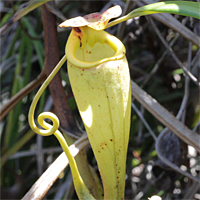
(185, 8)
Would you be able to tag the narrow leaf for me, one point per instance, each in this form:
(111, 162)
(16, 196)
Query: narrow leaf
(185, 8)
(26, 8)
(22, 11)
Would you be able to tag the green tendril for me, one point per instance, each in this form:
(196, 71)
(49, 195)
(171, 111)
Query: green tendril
(49, 129)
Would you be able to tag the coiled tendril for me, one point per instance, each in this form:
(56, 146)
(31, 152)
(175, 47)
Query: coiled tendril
(49, 129)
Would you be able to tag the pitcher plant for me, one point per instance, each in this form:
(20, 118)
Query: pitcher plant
(100, 80)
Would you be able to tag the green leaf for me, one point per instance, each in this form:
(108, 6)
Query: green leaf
(185, 8)
(13, 118)
(22, 11)
(177, 71)
(26, 8)
(37, 44)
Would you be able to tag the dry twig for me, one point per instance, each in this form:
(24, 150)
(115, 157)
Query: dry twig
(165, 117)
(186, 71)
(173, 23)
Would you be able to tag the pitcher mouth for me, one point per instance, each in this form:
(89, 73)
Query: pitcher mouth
(87, 47)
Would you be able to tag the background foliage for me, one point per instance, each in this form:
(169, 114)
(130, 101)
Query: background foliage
(25, 156)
